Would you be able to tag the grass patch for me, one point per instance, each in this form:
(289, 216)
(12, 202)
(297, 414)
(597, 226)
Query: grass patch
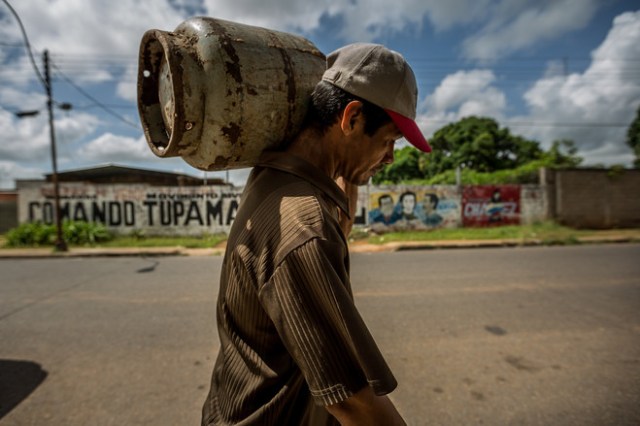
(205, 241)
(547, 232)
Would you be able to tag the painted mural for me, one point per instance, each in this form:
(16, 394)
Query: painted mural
(490, 205)
(196, 210)
(413, 208)
(126, 208)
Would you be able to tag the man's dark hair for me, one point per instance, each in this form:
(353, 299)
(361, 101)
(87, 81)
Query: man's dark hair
(433, 199)
(384, 197)
(328, 101)
(407, 193)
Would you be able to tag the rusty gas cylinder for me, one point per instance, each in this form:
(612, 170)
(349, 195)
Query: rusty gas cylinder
(218, 93)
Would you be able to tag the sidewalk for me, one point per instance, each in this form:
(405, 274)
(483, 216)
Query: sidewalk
(354, 247)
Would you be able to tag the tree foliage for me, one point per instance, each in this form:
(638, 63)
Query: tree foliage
(633, 138)
(476, 145)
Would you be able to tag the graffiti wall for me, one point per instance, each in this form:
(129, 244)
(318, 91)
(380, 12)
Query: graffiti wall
(167, 210)
(395, 208)
(127, 208)
(490, 205)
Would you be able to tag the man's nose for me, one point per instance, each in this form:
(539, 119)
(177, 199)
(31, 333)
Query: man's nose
(388, 158)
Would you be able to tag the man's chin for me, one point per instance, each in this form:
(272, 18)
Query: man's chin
(359, 180)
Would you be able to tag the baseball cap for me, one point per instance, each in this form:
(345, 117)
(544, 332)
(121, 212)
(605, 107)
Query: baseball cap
(383, 77)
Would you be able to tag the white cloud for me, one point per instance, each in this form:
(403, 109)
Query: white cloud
(29, 139)
(459, 95)
(607, 154)
(96, 41)
(361, 20)
(602, 100)
(127, 87)
(110, 27)
(9, 169)
(20, 100)
(518, 24)
(24, 140)
(109, 148)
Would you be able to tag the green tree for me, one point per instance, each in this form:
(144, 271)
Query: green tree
(563, 153)
(408, 164)
(633, 138)
(479, 147)
(478, 143)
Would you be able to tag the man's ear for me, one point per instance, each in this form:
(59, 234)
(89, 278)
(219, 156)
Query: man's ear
(352, 117)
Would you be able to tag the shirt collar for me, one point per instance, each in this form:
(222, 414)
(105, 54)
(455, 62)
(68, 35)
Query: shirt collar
(303, 169)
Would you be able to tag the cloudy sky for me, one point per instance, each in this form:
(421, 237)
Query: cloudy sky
(547, 69)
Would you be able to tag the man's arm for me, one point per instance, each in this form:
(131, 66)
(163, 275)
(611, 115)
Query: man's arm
(366, 408)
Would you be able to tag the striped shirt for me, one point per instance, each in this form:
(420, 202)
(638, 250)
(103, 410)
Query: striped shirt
(291, 338)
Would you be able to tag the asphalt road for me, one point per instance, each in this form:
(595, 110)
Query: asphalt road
(517, 336)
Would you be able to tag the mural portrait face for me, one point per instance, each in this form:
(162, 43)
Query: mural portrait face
(386, 205)
(408, 201)
(430, 203)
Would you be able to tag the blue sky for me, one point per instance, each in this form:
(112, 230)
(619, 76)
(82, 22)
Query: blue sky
(547, 69)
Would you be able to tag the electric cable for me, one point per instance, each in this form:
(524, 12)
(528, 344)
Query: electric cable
(26, 43)
(94, 100)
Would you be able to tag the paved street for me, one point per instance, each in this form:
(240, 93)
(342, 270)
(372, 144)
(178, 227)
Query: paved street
(518, 336)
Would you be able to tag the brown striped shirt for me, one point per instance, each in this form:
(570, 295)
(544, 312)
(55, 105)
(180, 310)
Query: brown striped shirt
(290, 334)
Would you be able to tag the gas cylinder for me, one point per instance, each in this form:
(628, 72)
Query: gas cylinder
(218, 93)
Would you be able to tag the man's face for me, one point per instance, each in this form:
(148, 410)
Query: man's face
(369, 154)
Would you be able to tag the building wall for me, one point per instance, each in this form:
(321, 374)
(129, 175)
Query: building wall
(533, 204)
(125, 209)
(594, 198)
(450, 206)
(170, 210)
(8, 211)
(588, 198)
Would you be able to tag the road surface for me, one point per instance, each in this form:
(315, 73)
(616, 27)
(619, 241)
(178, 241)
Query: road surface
(521, 336)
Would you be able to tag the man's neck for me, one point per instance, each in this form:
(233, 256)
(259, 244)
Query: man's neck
(317, 150)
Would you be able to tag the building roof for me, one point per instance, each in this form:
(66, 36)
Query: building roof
(111, 173)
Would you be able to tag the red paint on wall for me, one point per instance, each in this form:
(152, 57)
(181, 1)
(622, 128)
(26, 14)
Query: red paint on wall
(491, 205)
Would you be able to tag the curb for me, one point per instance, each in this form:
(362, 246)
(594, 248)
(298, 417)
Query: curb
(46, 253)
(42, 253)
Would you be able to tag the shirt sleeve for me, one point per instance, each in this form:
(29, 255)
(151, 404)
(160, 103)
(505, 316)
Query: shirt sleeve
(309, 301)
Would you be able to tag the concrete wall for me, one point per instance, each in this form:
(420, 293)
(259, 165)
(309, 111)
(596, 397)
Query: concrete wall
(154, 210)
(593, 198)
(450, 206)
(8, 211)
(588, 198)
(168, 210)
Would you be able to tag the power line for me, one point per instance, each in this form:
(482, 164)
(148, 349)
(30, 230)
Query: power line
(26, 44)
(514, 123)
(96, 101)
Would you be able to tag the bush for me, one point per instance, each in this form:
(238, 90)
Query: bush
(31, 234)
(41, 234)
(84, 233)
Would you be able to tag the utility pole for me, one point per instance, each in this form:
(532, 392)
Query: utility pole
(60, 244)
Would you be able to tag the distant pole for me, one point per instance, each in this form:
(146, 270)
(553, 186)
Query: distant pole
(60, 244)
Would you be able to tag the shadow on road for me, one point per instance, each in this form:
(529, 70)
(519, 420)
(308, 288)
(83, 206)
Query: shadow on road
(17, 380)
(150, 268)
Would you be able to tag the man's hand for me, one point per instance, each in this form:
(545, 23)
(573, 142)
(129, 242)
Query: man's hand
(366, 408)
(351, 190)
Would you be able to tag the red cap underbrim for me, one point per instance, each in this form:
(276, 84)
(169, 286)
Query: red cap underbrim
(410, 131)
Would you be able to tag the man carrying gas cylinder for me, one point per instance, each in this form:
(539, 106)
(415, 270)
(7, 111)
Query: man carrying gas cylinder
(294, 349)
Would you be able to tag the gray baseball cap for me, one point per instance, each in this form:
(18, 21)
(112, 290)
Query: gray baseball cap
(383, 77)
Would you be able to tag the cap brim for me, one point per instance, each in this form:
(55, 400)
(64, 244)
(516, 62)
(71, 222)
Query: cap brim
(410, 131)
